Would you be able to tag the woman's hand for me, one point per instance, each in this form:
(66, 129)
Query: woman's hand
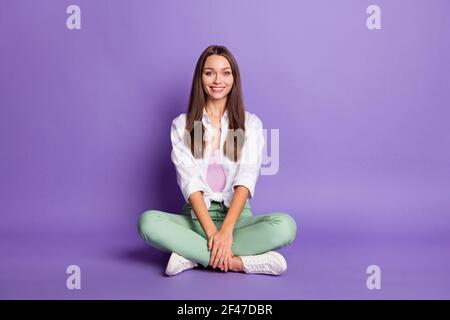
(219, 243)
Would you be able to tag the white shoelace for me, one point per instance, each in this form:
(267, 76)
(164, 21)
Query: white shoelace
(186, 262)
(259, 264)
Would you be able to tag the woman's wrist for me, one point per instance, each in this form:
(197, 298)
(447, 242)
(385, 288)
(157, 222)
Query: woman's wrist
(210, 230)
(226, 227)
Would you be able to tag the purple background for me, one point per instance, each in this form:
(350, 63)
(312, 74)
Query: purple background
(364, 143)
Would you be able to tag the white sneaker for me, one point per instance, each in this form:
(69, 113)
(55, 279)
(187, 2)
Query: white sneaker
(178, 264)
(270, 262)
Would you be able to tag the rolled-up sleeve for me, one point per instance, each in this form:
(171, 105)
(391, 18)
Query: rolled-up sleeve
(188, 171)
(252, 156)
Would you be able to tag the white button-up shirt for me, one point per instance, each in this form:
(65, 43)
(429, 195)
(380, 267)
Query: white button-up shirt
(191, 171)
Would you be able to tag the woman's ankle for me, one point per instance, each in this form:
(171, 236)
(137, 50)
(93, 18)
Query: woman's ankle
(237, 264)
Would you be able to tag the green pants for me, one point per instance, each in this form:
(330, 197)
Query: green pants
(184, 235)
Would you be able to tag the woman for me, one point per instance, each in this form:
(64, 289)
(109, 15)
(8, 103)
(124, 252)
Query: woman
(217, 149)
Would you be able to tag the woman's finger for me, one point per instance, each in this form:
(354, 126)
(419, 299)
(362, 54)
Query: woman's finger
(225, 262)
(210, 242)
(217, 257)
(222, 262)
(213, 254)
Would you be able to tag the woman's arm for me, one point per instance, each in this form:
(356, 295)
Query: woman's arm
(237, 204)
(222, 241)
(201, 212)
(244, 188)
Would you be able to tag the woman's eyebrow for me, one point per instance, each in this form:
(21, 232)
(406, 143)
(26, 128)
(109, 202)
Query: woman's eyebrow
(222, 68)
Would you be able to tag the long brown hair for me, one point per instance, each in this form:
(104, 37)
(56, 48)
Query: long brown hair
(234, 107)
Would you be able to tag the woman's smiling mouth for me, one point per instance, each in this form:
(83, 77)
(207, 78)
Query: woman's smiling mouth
(217, 89)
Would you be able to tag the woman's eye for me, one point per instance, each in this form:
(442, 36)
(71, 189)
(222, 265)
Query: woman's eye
(208, 73)
(227, 73)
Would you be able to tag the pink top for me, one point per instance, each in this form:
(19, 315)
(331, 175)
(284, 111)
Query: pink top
(215, 175)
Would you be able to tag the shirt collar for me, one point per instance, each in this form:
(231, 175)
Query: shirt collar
(205, 118)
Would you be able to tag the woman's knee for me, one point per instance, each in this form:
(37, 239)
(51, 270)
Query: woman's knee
(286, 227)
(148, 224)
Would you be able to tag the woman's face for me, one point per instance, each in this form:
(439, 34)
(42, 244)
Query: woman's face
(217, 77)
